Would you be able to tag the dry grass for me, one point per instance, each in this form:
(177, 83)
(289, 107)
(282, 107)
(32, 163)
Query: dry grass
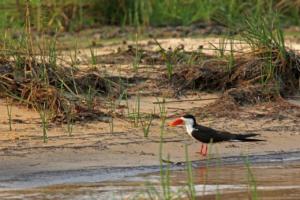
(57, 94)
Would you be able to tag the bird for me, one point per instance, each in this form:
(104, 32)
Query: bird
(206, 135)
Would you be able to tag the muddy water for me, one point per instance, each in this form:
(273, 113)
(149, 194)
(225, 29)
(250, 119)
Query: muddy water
(277, 176)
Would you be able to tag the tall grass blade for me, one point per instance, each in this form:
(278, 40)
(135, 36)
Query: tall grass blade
(9, 113)
(251, 181)
(191, 186)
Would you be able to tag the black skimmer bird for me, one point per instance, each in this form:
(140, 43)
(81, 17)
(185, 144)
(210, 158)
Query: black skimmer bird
(206, 135)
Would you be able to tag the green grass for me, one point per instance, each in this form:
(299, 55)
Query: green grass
(137, 58)
(111, 125)
(44, 116)
(72, 15)
(90, 97)
(146, 124)
(252, 185)
(134, 114)
(190, 182)
(164, 171)
(231, 56)
(263, 32)
(93, 57)
(162, 108)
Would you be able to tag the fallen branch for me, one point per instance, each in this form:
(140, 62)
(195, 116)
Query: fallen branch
(174, 101)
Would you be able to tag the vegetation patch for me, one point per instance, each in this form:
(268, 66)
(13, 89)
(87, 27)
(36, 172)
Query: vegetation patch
(248, 70)
(63, 91)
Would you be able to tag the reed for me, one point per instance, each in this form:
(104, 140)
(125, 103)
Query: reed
(70, 121)
(251, 181)
(134, 113)
(111, 125)
(162, 108)
(9, 113)
(93, 57)
(164, 171)
(191, 186)
(90, 97)
(44, 116)
(137, 58)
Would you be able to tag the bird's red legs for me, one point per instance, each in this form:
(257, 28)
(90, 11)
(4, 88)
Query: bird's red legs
(205, 150)
(201, 149)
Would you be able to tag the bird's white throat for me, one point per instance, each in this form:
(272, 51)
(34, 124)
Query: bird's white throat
(189, 123)
(189, 129)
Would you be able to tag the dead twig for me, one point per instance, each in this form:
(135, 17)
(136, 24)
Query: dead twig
(174, 101)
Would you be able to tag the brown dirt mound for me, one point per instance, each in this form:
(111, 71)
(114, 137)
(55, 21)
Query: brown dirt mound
(227, 107)
(251, 94)
(246, 81)
(208, 76)
(229, 104)
(62, 91)
(223, 107)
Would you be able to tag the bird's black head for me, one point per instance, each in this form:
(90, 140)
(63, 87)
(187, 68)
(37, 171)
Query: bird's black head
(188, 116)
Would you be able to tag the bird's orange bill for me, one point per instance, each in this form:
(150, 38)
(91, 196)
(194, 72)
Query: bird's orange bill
(176, 122)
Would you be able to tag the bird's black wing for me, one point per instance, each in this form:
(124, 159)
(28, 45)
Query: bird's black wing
(206, 134)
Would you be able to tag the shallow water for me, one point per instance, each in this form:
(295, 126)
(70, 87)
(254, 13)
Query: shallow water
(277, 176)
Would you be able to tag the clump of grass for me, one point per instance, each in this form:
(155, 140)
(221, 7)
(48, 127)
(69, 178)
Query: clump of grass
(60, 86)
(74, 63)
(264, 34)
(134, 115)
(90, 96)
(151, 191)
(52, 57)
(172, 57)
(162, 109)
(262, 31)
(146, 123)
(231, 58)
(221, 48)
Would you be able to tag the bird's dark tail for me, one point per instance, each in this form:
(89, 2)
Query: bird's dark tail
(246, 137)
